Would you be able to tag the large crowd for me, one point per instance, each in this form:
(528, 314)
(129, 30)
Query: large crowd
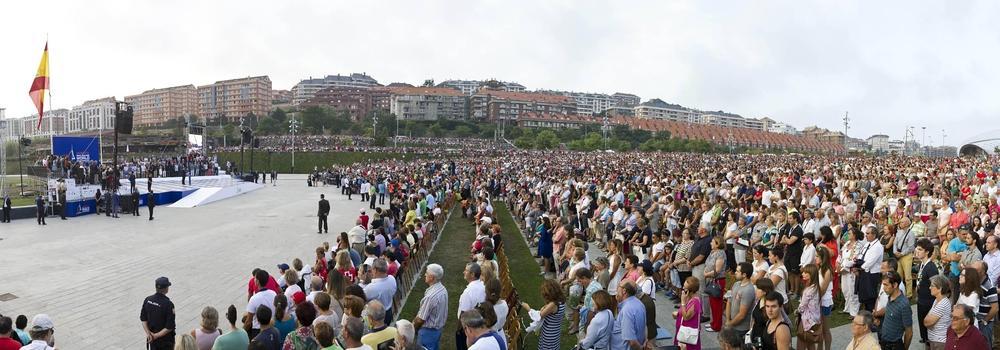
(755, 250)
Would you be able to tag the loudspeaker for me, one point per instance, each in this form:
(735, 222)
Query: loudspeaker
(256, 143)
(247, 136)
(123, 121)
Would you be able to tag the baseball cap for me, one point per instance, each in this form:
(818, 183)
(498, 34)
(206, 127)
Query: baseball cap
(282, 266)
(162, 282)
(362, 211)
(41, 322)
(298, 297)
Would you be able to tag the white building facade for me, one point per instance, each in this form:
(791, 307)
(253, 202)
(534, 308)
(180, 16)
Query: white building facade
(96, 114)
(308, 88)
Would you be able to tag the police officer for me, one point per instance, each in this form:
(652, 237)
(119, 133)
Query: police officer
(157, 317)
(151, 202)
(40, 209)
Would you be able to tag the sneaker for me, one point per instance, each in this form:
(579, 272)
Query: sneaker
(710, 330)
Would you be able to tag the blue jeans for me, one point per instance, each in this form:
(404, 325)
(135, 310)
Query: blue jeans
(430, 338)
(986, 328)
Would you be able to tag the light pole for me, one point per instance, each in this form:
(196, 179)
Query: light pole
(293, 127)
(923, 139)
(395, 140)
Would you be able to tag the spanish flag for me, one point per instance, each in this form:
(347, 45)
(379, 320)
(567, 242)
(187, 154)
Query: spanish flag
(41, 84)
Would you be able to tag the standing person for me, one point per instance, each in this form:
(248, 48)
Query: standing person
(688, 315)
(902, 250)
(157, 316)
(380, 334)
(382, 287)
(925, 295)
(274, 177)
(42, 333)
(809, 307)
(778, 273)
(433, 312)
(861, 331)
(7, 207)
(205, 335)
(962, 334)
(601, 327)
(40, 209)
(150, 203)
(988, 307)
(264, 297)
(135, 203)
(715, 271)
(897, 323)
(474, 293)
(371, 196)
(793, 254)
(697, 257)
(61, 198)
(269, 337)
(777, 333)
(869, 271)
(324, 210)
(849, 253)
(630, 325)
(552, 315)
(8, 338)
(741, 300)
(936, 320)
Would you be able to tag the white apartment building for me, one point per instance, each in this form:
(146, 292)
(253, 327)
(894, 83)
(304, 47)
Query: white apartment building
(308, 88)
(469, 87)
(96, 114)
(587, 103)
(53, 123)
(782, 128)
(658, 109)
(723, 119)
(879, 143)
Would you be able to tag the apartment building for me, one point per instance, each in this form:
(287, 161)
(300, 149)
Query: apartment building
(157, 106)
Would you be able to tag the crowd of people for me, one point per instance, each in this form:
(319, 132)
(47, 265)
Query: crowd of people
(756, 250)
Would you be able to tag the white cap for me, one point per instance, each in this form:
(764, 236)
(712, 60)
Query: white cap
(41, 322)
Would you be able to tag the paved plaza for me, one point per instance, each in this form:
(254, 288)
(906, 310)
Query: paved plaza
(91, 273)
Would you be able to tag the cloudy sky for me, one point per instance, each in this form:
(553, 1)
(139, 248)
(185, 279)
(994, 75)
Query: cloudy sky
(891, 64)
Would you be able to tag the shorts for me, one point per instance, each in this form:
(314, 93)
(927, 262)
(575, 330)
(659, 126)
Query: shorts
(826, 310)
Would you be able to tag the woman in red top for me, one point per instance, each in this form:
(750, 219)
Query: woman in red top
(343, 260)
(828, 239)
(319, 269)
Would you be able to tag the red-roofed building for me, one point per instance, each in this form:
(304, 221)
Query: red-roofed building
(491, 104)
(427, 103)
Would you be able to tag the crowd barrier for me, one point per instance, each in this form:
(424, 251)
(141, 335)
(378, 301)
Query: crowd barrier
(409, 273)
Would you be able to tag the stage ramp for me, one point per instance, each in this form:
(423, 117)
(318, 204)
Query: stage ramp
(206, 195)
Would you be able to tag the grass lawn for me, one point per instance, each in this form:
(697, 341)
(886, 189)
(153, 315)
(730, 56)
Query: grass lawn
(452, 253)
(305, 161)
(524, 272)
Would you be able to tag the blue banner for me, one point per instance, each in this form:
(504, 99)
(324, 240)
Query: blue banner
(77, 148)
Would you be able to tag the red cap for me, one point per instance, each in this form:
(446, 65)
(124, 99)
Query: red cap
(298, 297)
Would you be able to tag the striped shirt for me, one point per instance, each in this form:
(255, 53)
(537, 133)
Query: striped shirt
(434, 307)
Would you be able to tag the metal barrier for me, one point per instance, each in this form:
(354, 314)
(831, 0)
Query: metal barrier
(406, 278)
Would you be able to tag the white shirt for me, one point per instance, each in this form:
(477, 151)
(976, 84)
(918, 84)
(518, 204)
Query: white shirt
(357, 235)
(872, 257)
(37, 345)
(473, 294)
(263, 298)
(487, 342)
(808, 255)
(992, 260)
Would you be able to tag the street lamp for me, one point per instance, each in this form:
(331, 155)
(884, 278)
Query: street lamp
(293, 127)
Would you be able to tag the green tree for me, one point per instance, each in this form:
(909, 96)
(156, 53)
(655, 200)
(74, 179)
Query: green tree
(463, 131)
(435, 130)
(546, 139)
(314, 120)
(269, 126)
(524, 141)
(279, 115)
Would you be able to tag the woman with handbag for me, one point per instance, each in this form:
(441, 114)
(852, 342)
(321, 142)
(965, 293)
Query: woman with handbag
(715, 272)
(809, 328)
(687, 319)
(601, 325)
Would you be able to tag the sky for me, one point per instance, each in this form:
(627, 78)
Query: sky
(890, 64)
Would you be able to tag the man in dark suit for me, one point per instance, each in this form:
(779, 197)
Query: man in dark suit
(151, 202)
(135, 202)
(928, 269)
(324, 210)
(40, 209)
(6, 208)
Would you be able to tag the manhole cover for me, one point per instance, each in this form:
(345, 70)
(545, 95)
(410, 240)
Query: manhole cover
(7, 297)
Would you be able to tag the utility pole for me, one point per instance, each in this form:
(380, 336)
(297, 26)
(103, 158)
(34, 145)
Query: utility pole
(395, 140)
(243, 136)
(943, 136)
(923, 140)
(293, 127)
(847, 122)
(604, 128)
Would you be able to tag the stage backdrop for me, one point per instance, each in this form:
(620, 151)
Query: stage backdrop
(82, 148)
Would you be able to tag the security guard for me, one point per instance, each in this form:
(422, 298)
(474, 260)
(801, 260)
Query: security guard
(157, 317)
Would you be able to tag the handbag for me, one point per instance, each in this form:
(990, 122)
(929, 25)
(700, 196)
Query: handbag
(687, 335)
(810, 335)
(713, 289)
